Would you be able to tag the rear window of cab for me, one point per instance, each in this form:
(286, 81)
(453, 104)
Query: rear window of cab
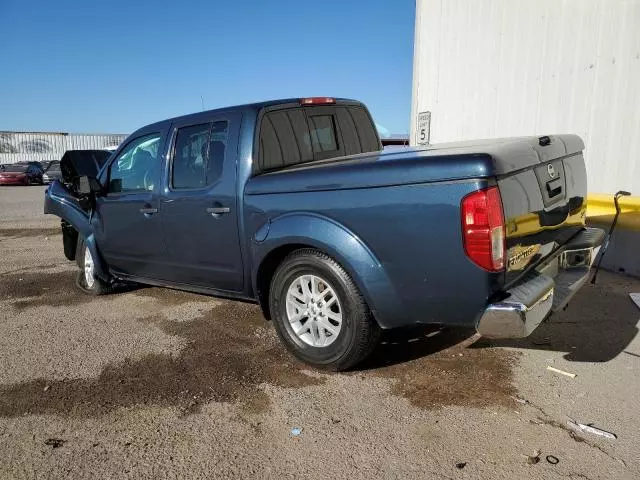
(299, 135)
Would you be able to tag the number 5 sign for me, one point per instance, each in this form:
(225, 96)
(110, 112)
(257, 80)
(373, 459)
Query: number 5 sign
(423, 128)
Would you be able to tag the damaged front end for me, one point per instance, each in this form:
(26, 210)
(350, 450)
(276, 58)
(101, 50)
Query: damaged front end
(63, 199)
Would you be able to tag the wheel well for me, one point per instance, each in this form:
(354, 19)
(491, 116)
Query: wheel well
(266, 271)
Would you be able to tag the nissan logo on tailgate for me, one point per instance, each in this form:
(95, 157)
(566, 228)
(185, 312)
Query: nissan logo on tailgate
(551, 171)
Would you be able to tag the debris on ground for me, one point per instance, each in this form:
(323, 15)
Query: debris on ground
(553, 460)
(533, 459)
(54, 442)
(591, 429)
(635, 297)
(46, 388)
(461, 465)
(295, 431)
(561, 372)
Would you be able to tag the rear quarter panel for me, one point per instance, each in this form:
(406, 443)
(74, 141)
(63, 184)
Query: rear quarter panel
(412, 231)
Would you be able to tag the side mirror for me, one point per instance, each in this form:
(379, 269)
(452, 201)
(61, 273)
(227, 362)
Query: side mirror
(88, 185)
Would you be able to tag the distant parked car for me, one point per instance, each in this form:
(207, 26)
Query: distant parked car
(21, 174)
(35, 164)
(52, 171)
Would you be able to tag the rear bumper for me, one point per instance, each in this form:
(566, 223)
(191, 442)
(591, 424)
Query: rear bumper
(548, 289)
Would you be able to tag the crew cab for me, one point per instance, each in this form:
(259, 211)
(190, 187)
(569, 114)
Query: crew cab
(293, 204)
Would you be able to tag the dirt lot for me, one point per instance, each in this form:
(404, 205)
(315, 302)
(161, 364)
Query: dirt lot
(153, 383)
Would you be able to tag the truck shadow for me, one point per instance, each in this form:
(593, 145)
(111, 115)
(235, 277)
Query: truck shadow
(407, 344)
(598, 325)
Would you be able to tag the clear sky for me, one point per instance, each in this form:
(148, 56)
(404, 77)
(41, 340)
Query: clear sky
(112, 66)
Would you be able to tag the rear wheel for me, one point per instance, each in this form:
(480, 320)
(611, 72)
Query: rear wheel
(319, 313)
(86, 279)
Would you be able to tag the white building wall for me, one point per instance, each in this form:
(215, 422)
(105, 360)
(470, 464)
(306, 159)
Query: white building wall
(496, 68)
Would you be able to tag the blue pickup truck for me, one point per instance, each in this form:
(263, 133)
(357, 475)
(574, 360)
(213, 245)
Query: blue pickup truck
(293, 204)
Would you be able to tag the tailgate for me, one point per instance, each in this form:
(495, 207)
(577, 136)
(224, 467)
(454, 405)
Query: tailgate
(544, 201)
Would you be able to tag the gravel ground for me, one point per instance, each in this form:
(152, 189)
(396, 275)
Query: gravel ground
(153, 383)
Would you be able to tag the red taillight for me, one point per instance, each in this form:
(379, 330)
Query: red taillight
(483, 228)
(317, 101)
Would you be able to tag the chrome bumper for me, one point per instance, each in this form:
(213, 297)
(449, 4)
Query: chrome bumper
(548, 289)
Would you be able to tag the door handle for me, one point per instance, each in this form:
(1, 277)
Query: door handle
(218, 210)
(554, 187)
(148, 211)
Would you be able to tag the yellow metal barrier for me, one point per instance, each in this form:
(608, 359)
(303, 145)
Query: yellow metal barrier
(601, 209)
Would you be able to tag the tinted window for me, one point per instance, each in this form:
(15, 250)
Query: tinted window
(198, 155)
(367, 136)
(189, 158)
(299, 135)
(284, 139)
(323, 133)
(217, 149)
(136, 167)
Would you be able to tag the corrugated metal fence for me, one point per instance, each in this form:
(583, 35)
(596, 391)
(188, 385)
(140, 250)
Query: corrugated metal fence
(39, 146)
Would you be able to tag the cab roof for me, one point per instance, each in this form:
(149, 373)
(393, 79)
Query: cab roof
(253, 107)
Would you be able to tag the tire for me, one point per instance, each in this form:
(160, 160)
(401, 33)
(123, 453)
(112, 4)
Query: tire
(86, 280)
(322, 341)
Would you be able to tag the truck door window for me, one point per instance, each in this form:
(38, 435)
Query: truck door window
(218, 139)
(189, 157)
(136, 167)
(198, 156)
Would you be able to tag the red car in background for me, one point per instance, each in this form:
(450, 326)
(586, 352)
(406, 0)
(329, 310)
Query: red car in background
(20, 174)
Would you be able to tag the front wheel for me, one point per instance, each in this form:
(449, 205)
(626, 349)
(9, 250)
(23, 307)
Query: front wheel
(86, 278)
(319, 313)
